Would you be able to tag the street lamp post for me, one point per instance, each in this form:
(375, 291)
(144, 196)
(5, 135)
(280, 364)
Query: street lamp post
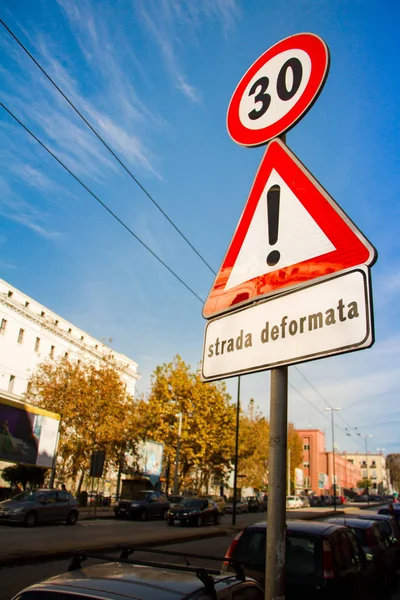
(332, 410)
(178, 444)
(384, 478)
(366, 436)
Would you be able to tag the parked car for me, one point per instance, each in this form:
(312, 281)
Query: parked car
(242, 506)
(323, 561)
(128, 581)
(40, 506)
(305, 501)
(369, 536)
(145, 504)
(386, 511)
(173, 500)
(293, 502)
(255, 504)
(194, 511)
(219, 500)
(391, 532)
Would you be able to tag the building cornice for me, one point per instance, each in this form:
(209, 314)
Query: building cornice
(55, 330)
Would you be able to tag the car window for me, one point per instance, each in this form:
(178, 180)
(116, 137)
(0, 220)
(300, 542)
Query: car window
(357, 553)
(346, 551)
(50, 498)
(163, 498)
(251, 548)
(300, 556)
(62, 497)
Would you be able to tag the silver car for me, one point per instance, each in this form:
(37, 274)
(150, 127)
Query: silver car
(118, 581)
(40, 506)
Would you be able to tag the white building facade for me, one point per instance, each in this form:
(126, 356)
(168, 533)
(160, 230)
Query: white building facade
(30, 334)
(373, 467)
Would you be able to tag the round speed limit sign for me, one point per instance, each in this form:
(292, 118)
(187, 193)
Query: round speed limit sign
(278, 89)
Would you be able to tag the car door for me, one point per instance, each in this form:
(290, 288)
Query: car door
(47, 509)
(62, 505)
(208, 510)
(153, 504)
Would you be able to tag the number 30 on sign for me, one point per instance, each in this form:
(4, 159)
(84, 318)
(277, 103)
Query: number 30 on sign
(278, 89)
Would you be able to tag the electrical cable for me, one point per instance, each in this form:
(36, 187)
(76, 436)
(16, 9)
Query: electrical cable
(113, 214)
(122, 164)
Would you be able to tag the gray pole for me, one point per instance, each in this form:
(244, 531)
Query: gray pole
(276, 514)
(333, 458)
(236, 454)
(178, 445)
(366, 462)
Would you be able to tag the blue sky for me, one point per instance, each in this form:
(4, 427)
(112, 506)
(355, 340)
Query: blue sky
(155, 77)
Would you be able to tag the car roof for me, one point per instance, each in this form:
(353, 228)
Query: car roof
(116, 580)
(377, 517)
(352, 522)
(316, 527)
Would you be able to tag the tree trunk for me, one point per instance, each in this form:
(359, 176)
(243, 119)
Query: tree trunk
(78, 489)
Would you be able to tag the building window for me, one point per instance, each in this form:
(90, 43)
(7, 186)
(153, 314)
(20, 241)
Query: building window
(3, 326)
(69, 330)
(351, 460)
(65, 354)
(82, 338)
(56, 323)
(11, 383)
(373, 464)
(52, 351)
(21, 336)
(42, 313)
(306, 482)
(306, 465)
(97, 346)
(37, 344)
(306, 447)
(26, 304)
(10, 294)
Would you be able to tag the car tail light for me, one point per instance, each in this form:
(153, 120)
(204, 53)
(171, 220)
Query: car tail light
(329, 572)
(231, 549)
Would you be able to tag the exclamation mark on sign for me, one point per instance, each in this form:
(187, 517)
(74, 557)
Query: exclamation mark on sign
(273, 199)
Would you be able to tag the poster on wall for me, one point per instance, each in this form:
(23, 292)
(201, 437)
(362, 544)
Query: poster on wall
(299, 478)
(28, 434)
(148, 460)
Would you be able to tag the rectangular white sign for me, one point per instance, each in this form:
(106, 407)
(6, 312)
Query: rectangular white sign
(326, 318)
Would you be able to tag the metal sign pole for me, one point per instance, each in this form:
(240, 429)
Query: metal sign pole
(276, 514)
(234, 507)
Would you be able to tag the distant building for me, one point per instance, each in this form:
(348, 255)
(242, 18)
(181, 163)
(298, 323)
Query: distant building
(373, 467)
(318, 466)
(30, 334)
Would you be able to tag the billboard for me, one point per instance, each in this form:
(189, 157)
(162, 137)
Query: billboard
(28, 434)
(148, 460)
(298, 478)
(323, 481)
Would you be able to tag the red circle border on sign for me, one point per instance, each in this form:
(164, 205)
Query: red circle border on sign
(319, 55)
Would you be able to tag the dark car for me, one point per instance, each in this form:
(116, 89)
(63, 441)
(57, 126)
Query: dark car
(194, 511)
(395, 513)
(175, 499)
(255, 504)
(120, 581)
(323, 561)
(390, 531)
(40, 506)
(369, 536)
(145, 504)
(242, 506)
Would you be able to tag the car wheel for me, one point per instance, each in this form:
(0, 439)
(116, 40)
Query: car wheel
(165, 514)
(217, 519)
(30, 519)
(170, 522)
(143, 515)
(72, 518)
(199, 521)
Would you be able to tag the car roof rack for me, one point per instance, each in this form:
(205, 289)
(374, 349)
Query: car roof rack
(127, 550)
(204, 574)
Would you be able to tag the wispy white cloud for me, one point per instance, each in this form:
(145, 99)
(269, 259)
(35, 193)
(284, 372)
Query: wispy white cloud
(165, 21)
(15, 208)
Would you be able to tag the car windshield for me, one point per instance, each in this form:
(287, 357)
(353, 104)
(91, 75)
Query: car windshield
(141, 495)
(192, 503)
(28, 496)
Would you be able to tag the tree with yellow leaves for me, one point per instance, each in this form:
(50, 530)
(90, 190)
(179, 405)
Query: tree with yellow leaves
(208, 424)
(96, 413)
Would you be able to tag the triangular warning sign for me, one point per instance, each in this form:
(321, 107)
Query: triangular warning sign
(290, 232)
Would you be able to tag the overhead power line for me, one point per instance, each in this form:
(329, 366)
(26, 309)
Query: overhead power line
(100, 138)
(113, 214)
